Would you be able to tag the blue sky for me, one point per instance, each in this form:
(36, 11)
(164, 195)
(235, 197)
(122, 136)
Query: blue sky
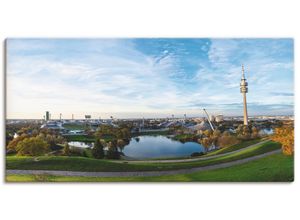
(152, 77)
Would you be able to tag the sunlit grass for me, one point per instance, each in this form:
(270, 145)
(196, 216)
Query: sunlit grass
(272, 168)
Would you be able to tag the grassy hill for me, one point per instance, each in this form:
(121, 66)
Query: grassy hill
(274, 168)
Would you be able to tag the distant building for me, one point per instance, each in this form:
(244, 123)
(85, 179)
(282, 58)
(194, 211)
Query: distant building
(47, 116)
(201, 126)
(198, 120)
(53, 125)
(212, 118)
(219, 118)
(88, 116)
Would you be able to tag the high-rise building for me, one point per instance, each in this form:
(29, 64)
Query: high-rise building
(47, 116)
(244, 90)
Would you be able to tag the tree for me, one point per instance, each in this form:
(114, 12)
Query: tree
(35, 132)
(98, 151)
(121, 144)
(215, 136)
(227, 140)
(207, 133)
(33, 146)
(254, 132)
(118, 133)
(66, 149)
(285, 136)
(243, 132)
(13, 144)
(206, 143)
(226, 133)
(9, 136)
(112, 152)
(50, 140)
(125, 133)
(239, 131)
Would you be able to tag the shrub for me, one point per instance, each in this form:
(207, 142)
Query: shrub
(11, 147)
(206, 143)
(285, 136)
(66, 149)
(33, 146)
(227, 140)
(97, 150)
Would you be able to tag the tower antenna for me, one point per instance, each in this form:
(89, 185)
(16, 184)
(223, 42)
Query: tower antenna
(243, 72)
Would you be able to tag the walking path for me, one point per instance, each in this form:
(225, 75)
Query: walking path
(189, 159)
(141, 173)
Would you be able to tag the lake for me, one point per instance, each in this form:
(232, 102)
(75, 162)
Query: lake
(266, 131)
(147, 146)
(159, 146)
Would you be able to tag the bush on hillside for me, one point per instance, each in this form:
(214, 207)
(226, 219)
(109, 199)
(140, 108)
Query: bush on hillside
(34, 146)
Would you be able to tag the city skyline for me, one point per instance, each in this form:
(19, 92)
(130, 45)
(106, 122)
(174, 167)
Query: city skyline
(157, 77)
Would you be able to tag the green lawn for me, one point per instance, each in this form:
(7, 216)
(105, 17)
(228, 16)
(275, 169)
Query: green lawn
(83, 138)
(89, 165)
(151, 133)
(274, 168)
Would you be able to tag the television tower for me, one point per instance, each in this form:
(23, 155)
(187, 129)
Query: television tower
(244, 90)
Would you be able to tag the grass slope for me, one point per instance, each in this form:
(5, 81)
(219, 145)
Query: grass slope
(274, 168)
(234, 147)
(94, 165)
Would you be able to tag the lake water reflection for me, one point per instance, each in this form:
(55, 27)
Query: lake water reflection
(152, 147)
(159, 146)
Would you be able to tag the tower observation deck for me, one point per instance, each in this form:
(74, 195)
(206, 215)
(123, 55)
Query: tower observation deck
(244, 90)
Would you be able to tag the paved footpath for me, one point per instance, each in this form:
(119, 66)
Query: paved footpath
(189, 159)
(141, 173)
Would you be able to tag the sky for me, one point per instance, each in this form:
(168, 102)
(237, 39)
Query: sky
(148, 77)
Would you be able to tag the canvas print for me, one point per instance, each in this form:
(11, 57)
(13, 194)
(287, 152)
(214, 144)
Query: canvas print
(149, 110)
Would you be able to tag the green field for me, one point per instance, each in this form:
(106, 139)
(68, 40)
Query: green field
(151, 133)
(274, 168)
(82, 138)
(89, 164)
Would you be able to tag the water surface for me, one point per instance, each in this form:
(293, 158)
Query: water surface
(159, 146)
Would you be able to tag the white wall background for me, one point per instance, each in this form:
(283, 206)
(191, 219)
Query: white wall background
(136, 18)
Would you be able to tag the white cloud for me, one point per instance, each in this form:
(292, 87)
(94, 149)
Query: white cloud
(102, 82)
(114, 77)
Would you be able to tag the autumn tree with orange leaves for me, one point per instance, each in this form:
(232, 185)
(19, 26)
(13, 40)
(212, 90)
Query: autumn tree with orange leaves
(285, 136)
